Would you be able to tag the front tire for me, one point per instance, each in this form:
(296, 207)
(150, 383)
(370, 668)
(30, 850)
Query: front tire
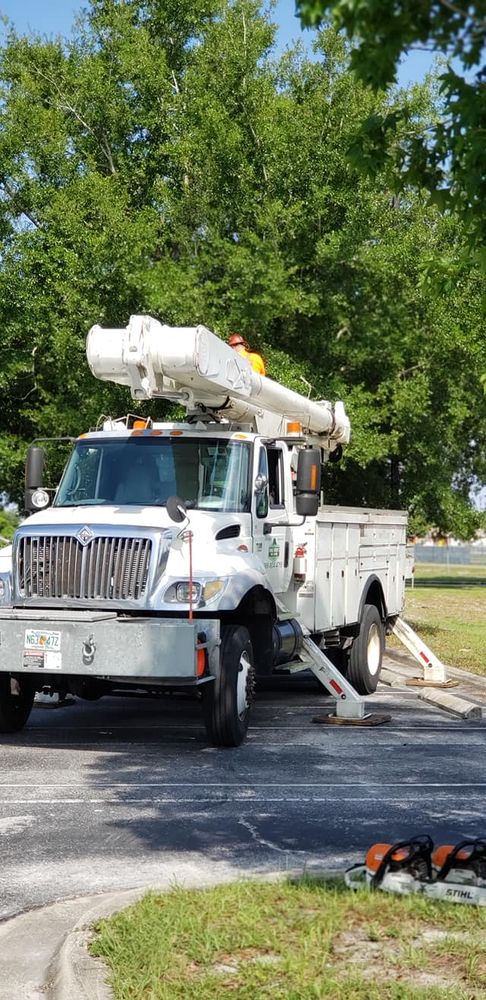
(367, 652)
(227, 700)
(16, 700)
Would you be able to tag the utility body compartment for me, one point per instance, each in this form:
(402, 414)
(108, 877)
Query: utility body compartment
(347, 549)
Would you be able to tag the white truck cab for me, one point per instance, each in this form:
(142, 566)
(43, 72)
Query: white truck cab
(197, 553)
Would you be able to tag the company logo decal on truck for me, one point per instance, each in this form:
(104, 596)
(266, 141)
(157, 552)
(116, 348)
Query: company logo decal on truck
(273, 554)
(85, 535)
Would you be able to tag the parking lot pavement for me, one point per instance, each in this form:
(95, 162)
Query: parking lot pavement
(98, 796)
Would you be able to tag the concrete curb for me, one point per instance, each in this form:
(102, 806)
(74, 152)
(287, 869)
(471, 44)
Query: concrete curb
(402, 665)
(28, 943)
(75, 975)
(455, 704)
(392, 679)
(451, 703)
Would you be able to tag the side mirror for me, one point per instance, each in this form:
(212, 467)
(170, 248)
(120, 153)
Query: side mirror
(34, 468)
(35, 497)
(261, 493)
(261, 482)
(176, 509)
(308, 482)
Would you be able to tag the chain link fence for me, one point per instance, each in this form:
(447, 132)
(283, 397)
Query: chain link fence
(451, 555)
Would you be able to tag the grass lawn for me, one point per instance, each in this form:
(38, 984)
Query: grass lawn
(447, 607)
(293, 941)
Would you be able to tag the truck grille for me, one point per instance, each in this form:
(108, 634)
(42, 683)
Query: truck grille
(108, 569)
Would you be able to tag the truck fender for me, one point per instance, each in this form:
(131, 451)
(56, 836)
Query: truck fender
(248, 581)
(257, 611)
(373, 594)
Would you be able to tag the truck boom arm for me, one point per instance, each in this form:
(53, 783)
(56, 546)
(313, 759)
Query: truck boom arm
(194, 366)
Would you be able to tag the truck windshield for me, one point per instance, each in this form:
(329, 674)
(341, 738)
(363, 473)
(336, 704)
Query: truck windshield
(208, 474)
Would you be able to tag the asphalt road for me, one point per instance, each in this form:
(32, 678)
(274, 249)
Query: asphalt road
(99, 796)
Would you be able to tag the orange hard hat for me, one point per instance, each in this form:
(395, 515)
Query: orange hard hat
(235, 339)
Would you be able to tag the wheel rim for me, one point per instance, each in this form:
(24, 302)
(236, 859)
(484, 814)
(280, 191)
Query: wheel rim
(374, 649)
(15, 689)
(242, 702)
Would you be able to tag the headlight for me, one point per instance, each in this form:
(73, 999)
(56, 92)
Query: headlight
(40, 499)
(202, 591)
(184, 593)
(179, 593)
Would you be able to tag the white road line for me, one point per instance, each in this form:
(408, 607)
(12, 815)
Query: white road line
(229, 800)
(462, 726)
(251, 784)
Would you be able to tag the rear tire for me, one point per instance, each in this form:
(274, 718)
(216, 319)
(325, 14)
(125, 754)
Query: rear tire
(227, 699)
(16, 700)
(367, 652)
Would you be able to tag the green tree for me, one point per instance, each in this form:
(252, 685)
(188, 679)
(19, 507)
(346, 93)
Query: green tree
(8, 524)
(164, 161)
(444, 155)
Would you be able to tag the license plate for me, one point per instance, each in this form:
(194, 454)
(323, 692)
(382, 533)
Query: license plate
(41, 641)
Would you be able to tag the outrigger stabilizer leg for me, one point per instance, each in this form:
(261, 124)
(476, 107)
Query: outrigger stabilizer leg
(349, 705)
(434, 671)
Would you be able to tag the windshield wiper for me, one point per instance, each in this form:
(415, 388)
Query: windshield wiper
(84, 503)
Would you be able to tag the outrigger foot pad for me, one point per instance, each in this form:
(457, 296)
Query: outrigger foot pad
(373, 719)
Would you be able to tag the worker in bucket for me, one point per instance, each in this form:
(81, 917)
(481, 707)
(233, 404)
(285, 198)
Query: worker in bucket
(239, 344)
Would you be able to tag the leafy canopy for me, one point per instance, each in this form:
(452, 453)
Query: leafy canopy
(164, 160)
(445, 155)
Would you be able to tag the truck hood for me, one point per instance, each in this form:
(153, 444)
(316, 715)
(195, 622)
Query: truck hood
(130, 517)
(137, 517)
(212, 558)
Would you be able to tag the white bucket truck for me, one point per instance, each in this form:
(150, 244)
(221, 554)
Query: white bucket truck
(197, 553)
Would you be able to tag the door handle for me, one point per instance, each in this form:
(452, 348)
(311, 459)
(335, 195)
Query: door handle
(286, 554)
(267, 529)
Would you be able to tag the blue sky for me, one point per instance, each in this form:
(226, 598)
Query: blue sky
(56, 17)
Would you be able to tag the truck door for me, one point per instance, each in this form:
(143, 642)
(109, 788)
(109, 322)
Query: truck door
(271, 510)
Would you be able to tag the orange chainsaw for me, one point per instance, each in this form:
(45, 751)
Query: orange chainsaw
(456, 874)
